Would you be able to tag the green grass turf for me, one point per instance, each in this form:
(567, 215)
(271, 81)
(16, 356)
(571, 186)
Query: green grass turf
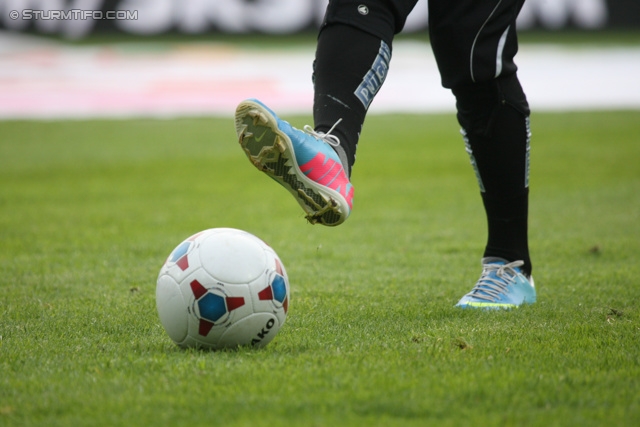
(89, 210)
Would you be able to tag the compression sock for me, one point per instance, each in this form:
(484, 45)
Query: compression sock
(349, 69)
(495, 125)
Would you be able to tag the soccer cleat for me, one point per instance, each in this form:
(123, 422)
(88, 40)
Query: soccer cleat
(501, 285)
(303, 162)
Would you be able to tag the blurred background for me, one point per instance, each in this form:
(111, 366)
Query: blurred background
(153, 17)
(166, 58)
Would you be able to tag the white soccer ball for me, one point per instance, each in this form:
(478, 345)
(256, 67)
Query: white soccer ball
(222, 288)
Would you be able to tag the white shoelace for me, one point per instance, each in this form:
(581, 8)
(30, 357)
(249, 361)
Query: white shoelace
(326, 137)
(490, 287)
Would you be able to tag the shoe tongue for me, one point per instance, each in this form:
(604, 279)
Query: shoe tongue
(499, 262)
(494, 260)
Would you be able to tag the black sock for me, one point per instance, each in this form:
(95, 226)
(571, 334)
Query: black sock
(497, 139)
(507, 225)
(348, 62)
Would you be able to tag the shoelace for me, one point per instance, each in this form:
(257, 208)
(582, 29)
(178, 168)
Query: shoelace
(489, 287)
(326, 137)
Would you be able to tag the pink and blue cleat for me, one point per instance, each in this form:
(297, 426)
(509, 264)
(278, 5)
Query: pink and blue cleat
(502, 285)
(303, 162)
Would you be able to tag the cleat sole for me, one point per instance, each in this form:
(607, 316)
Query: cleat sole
(271, 152)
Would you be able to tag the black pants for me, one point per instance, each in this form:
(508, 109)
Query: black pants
(474, 43)
(472, 40)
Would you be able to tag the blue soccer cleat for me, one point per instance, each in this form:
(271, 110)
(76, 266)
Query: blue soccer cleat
(501, 285)
(303, 162)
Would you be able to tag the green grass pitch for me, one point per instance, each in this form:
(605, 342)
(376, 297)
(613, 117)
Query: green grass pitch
(89, 210)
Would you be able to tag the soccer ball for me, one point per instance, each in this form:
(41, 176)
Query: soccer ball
(222, 288)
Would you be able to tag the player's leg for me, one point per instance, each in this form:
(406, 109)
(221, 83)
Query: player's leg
(346, 78)
(352, 59)
(474, 44)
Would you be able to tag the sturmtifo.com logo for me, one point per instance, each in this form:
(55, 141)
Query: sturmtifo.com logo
(74, 15)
